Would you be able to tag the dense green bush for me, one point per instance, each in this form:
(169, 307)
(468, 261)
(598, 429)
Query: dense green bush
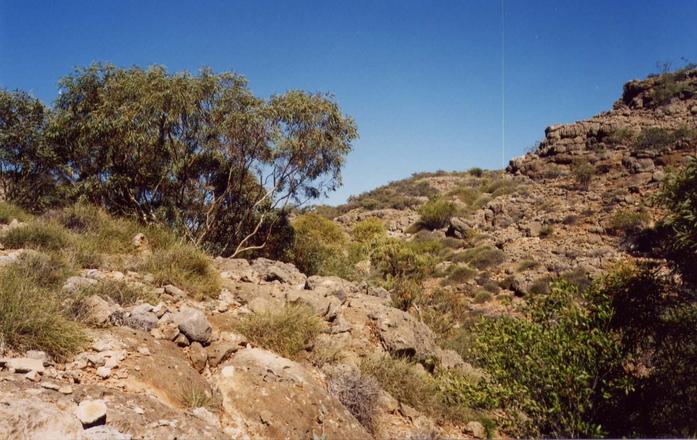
(319, 246)
(679, 196)
(436, 213)
(554, 370)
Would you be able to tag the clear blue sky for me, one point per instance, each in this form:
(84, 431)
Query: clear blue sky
(422, 79)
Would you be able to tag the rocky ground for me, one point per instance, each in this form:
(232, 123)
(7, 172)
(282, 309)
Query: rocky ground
(150, 366)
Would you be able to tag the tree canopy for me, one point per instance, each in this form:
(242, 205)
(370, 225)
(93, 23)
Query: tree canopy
(200, 152)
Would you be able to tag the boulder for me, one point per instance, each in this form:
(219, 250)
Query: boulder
(30, 418)
(91, 413)
(293, 404)
(25, 365)
(198, 356)
(98, 310)
(193, 323)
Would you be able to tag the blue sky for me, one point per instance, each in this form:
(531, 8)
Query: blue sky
(422, 79)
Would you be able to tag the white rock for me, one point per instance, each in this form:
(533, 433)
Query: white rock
(91, 413)
(104, 372)
(25, 365)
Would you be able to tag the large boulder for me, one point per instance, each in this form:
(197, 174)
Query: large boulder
(267, 396)
(23, 417)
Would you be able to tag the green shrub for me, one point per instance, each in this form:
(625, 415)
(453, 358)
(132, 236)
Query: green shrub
(679, 196)
(318, 247)
(552, 372)
(629, 222)
(368, 230)
(404, 381)
(483, 257)
(459, 274)
(287, 330)
(398, 259)
(583, 173)
(482, 297)
(32, 317)
(436, 213)
(37, 235)
(185, 267)
(622, 135)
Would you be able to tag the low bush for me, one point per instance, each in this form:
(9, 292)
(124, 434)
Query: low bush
(46, 270)
(32, 317)
(483, 257)
(120, 292)
(37, 235)
(482, 297)
(583, 173)
(186, 267)
(628, 222)
(436, 213)
(195, 396)
(318, 246)
(286, 331)
(405, 381)
(368, 230)
(459, 274)
(546, 230)
(358, 393)
(527, 265)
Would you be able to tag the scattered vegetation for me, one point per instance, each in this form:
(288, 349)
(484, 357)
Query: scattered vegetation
(558, 366)
(286, 331)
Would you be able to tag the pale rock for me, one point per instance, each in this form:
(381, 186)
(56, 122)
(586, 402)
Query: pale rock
(25, 365)
(104, 433)
(92, 413)
(65, 389)
(33, 376)
(476, 429)
(50, 386)
(175, 291)
(104, 372)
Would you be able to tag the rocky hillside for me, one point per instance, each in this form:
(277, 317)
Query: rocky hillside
(565, 209)
(113, 330)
